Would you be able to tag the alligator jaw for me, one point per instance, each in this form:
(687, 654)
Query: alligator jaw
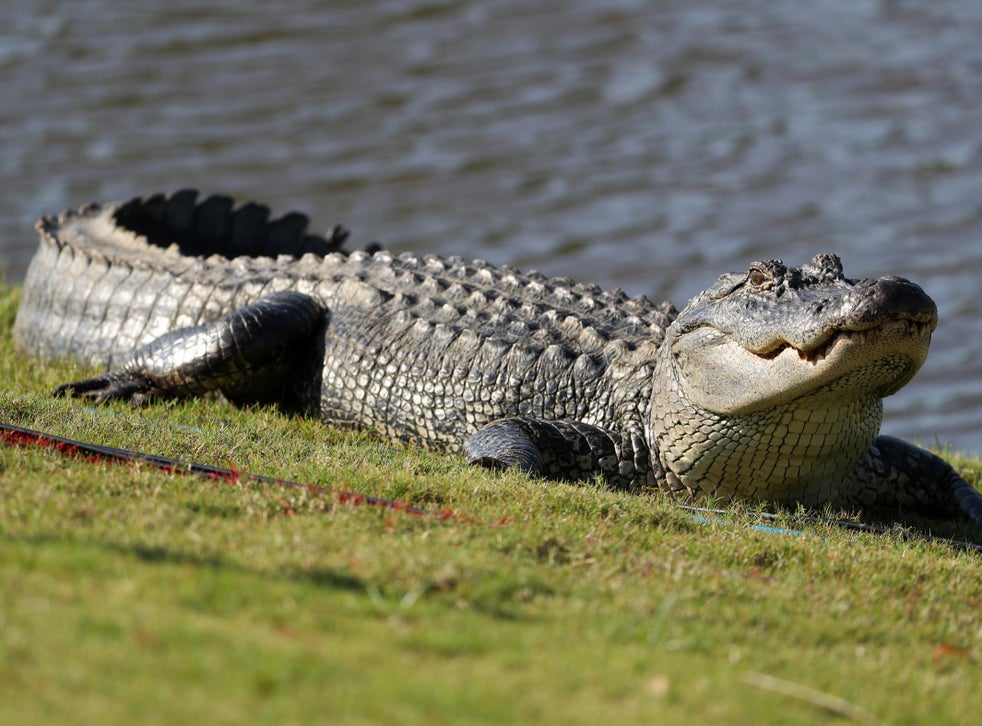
(720, 375)
(817, 353)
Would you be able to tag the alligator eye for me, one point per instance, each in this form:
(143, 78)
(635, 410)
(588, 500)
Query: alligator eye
(759, 277)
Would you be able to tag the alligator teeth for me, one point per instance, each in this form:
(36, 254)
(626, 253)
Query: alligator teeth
(912, 329)
(919, 328)
(819, 353)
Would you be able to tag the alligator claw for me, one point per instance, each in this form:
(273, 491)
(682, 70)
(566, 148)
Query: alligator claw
(108, 387)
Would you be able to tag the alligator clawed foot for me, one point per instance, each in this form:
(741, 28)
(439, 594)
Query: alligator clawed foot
(108, 387)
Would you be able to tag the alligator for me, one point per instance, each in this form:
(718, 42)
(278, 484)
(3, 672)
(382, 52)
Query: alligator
(767, 387)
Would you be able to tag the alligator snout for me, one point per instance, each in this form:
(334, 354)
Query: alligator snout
(873, 302)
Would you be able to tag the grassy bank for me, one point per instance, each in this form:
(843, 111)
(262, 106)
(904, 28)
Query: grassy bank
(131, 595)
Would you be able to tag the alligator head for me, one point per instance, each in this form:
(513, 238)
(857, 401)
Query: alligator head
(780, 355)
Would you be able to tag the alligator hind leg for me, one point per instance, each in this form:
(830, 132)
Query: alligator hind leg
(568, 450)
(247, 355)
(896, 475)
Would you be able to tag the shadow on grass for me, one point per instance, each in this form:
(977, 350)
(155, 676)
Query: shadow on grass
(320, 577)
(500, 599)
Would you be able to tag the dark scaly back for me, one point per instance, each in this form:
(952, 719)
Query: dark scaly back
(214, 226)
(108, 279)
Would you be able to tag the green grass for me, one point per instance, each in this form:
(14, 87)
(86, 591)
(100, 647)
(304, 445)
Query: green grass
(133, 596)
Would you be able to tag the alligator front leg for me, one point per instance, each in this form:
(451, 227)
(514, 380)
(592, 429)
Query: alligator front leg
(245, 354)
(569, 450)
(896, 475)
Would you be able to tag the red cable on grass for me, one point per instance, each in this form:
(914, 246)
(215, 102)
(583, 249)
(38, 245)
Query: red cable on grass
(21, 436)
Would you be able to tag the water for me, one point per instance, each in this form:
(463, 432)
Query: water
(649, 146)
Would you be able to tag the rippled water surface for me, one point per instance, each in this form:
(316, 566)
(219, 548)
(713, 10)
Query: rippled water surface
(644, 145)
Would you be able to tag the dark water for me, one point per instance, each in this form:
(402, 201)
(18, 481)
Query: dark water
(646, 145)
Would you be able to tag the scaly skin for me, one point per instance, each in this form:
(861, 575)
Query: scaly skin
(767, 387)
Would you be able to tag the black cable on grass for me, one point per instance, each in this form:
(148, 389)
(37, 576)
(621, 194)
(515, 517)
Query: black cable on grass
(21, 436)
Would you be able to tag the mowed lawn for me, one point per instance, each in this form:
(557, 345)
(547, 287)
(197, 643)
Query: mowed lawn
(132, 595)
